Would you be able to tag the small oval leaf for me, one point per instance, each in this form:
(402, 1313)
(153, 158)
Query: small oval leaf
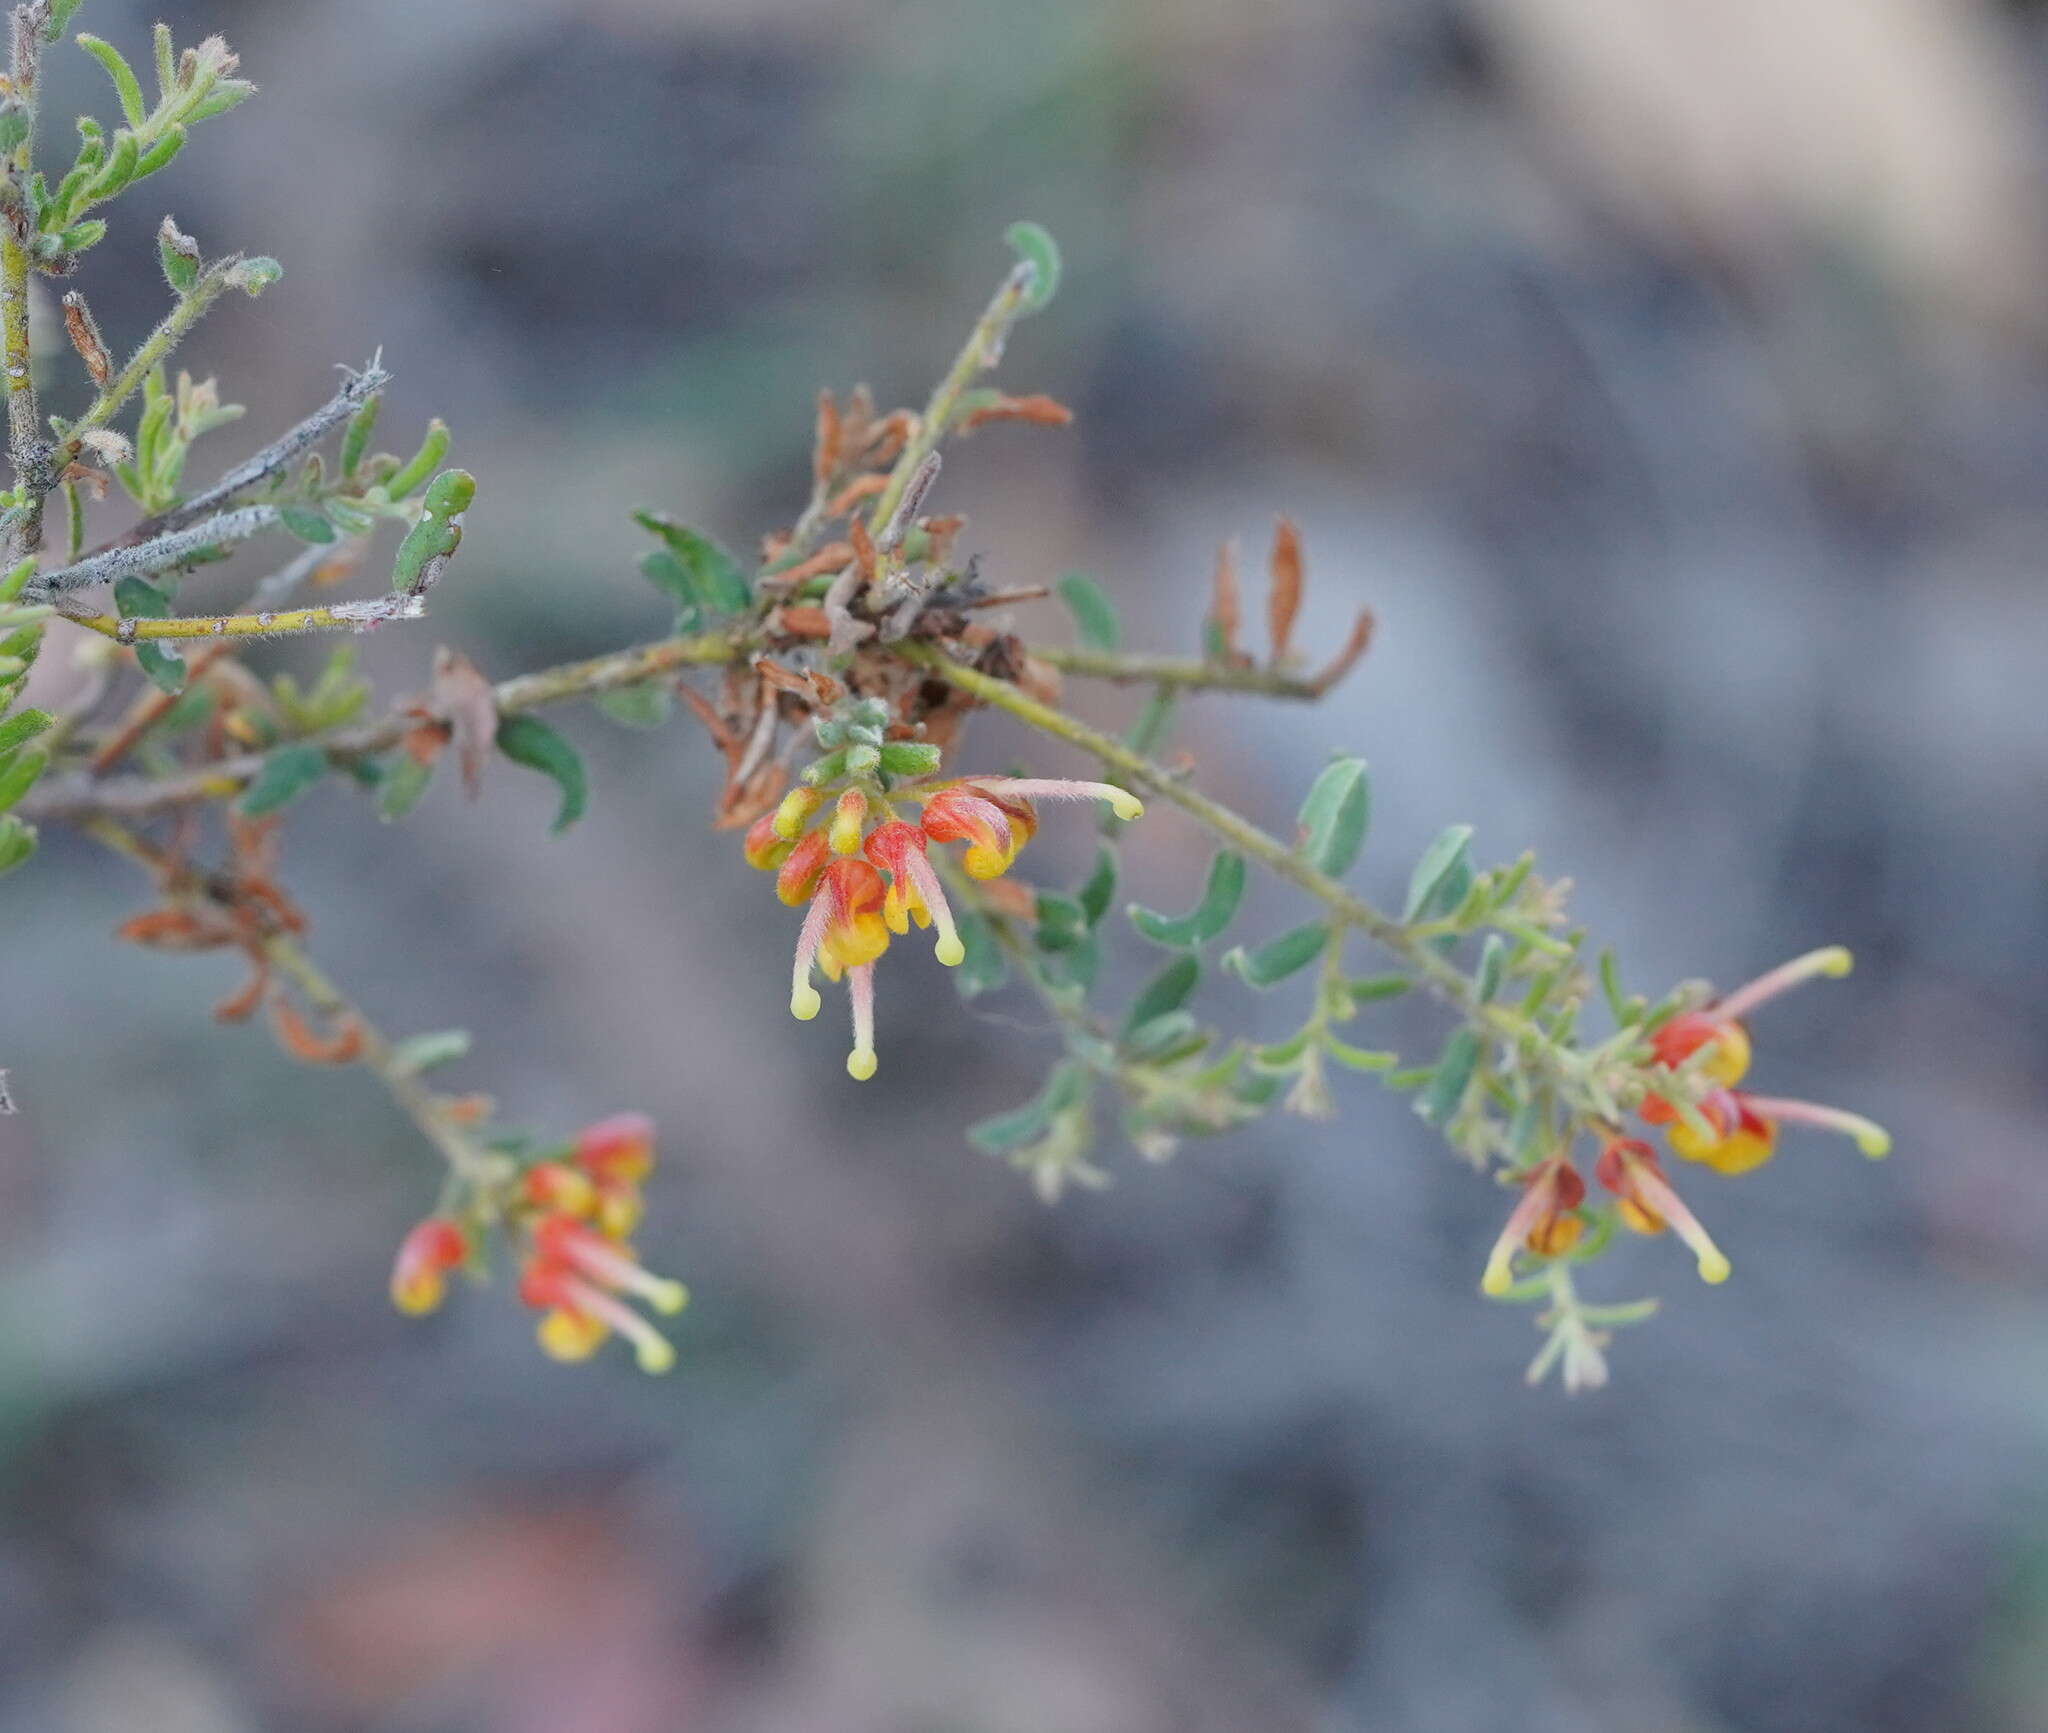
(1272, 962)
(1335, 815)
(286, 774)
(1442, 876)
(1094, 613)
(1225, 890)
(529, 741)
(1166, 991)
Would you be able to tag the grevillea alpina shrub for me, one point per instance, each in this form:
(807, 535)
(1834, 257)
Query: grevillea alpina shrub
(837, 676)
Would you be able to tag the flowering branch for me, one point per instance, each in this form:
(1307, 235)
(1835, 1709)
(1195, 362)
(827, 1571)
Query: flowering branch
(836, 678)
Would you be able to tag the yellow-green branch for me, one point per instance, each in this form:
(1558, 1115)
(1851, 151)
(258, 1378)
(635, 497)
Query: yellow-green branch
(1439, 977)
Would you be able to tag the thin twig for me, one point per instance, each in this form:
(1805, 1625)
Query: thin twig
(145, 559)
(275, 456)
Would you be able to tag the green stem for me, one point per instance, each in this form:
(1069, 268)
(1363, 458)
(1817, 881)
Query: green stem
(1438, 976)
(1134, 668)
(981, 351)
(189, 309)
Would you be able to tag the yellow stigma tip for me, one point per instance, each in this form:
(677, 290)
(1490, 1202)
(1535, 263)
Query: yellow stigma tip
(669, 1298)
(951, 952)
(1837, 961)
(860, 1064)
(1875, 1142)
(1714, 1270)
(804, 1004)
(655, 1356)
(1127, 806)
(1496, 1281)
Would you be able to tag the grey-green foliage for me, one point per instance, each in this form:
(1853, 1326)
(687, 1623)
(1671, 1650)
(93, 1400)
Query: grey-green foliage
(21, 759)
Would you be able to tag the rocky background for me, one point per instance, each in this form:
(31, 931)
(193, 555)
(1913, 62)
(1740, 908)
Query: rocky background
(1669, 376)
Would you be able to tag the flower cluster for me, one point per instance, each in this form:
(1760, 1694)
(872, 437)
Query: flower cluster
(569, 1218)
(864, 873)
(1696, 1059)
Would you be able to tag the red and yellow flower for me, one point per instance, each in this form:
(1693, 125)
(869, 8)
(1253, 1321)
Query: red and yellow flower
(1728, 1129)
(570, 1218)
(1646, 1204)
(866, 873)
(419, 1277)
(1545, 1221)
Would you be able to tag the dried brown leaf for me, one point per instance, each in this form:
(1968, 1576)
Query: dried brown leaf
(462, 698)
(1283, 598)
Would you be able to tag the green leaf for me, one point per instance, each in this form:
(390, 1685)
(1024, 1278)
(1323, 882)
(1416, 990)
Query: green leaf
(1150, 729)
(1094, 614)
(1442, 876)
(1224, 891)
(286, 774)
(1061, 922)
(126, 85)
(1376, 987)
(436, 534)
(1272, 962)
(529, 741)
(643, 706)
(665, 572)
(1166, 991)
(13, 126)
(139, 599)
(1334, 817)
(910, 758)
(417, 1053)
(1100, 889)
(22, 726)
(253, 276)
(166, 669)
(1037, 248)
(160, 154)
(1063, 1090)
(1493, 958)
(405, 780)
(18, 775)
(1618, 1006)
(1359, 1058)
(714, 577)
(356, 441)
(1165, 1039)
(17, 579)
(60, 19)
(305, 523)
(17, 842)
(1452, 1074)
(424, 462)
(983, 969)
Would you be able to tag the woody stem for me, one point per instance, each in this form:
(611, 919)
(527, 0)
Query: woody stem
(284, 954)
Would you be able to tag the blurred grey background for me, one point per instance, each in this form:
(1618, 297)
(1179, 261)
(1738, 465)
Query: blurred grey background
(1668, 375)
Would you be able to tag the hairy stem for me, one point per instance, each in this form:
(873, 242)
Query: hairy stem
(1438, 976)
(983, 349)
(27, 449)
(189, 309)
(1136, 668)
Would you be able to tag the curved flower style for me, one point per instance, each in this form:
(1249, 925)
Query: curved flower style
(419, 1278)
(867, 873)
(1733, 1131)
(1545, 1222)
(1646, 1203)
